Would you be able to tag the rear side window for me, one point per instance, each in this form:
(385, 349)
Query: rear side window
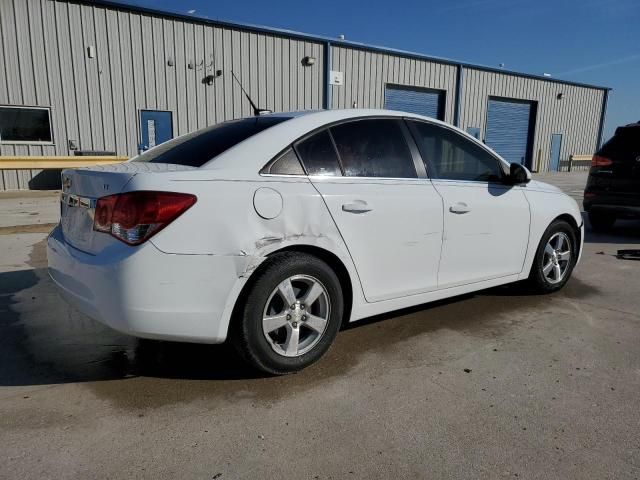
(286, 164)
(450, 156)
(624, 146)
(374, 148)
(318, 155)
(197, 148)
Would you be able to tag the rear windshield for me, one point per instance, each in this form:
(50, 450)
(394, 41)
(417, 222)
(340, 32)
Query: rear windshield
(197, 148)
(624, 146)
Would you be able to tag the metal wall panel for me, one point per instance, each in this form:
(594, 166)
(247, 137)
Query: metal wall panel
(576, 115)
(367, 72)
(96, 101)
(142, 60)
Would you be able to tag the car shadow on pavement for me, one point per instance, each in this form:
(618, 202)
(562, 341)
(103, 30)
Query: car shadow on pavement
(45, 341)
(622, 232)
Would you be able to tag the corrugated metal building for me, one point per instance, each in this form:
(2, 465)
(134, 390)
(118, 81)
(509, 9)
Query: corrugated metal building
(114, 78)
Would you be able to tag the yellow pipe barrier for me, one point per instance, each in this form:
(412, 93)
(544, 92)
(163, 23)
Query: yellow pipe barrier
(583, 161)
(42, 163)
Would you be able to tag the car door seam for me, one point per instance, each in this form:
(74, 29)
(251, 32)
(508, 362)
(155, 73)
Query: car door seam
(355, 267)
(442, 238)
(526, 252)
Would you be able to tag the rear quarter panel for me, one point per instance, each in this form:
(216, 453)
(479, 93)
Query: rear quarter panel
(224, 221)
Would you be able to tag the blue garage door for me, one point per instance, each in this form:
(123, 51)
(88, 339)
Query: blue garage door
(421, 101)
(509, 129)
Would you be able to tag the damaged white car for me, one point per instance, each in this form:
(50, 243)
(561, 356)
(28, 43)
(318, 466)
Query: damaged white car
(273, 231)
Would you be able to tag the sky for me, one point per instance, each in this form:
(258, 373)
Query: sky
(589, 41)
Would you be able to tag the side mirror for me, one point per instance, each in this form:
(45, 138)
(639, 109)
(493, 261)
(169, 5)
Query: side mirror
(519, 174)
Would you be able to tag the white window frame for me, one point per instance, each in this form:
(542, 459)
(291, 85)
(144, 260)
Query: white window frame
(28, 142)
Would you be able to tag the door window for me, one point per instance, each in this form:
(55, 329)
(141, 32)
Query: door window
(450, 156)
(318, 155)
(374, 148)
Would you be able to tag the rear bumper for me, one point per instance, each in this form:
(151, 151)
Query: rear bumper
(146, 293)
(621, 211)
(614, 203)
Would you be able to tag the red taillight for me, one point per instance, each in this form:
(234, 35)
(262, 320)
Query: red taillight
(598, 161)
(134, 217)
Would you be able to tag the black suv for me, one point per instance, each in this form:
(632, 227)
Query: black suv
(613, 187)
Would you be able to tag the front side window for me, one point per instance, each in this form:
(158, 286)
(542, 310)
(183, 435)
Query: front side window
(197, 148)
(25, 124)
(374, 148)
(452, 157)
(318, 155)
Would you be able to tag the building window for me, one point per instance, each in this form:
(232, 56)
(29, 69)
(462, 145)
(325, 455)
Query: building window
(25, 125)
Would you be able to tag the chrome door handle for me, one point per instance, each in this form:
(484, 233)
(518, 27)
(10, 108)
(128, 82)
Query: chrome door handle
(357, 206)
(460, 207)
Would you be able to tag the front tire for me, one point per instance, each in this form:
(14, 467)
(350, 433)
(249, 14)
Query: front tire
(290, 315)
(555, 258)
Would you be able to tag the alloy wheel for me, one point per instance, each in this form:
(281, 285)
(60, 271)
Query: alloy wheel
(296, 315)
(556, 258)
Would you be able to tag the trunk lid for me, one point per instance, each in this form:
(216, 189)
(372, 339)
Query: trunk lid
(82, 187)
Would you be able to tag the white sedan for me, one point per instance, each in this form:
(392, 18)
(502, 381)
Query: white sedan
(273, 231)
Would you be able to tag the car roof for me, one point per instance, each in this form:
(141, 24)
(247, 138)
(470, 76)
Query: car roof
(330, 116)
(247, 158)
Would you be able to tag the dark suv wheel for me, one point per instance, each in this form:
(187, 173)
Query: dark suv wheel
(290, 315)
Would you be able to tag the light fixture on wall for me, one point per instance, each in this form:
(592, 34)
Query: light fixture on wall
(308, 61)
(91, 51)
(209, 79)
(170, 62)
(560, 96)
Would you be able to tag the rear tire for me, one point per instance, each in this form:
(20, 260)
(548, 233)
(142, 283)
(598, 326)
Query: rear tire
(290, 315)
(601, 222)
(555, 258)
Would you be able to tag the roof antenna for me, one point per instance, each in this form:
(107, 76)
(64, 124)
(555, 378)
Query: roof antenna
(256, 111)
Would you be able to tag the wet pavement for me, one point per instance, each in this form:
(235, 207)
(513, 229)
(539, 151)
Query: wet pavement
(499, 384)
